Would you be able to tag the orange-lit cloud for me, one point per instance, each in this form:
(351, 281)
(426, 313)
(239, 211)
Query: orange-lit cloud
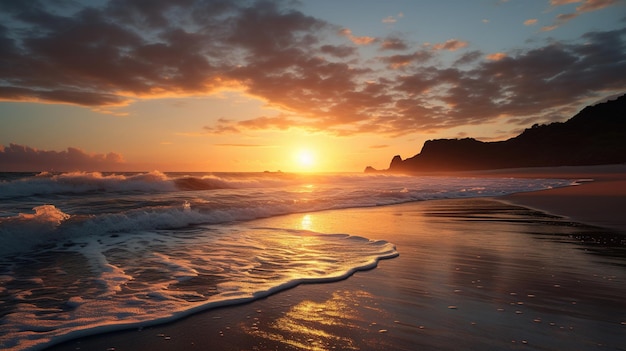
(496, 56)
(594, 5)
(530, 22)
(586, 6)
(560, 20)
(451, 45)
(17, 158)
(362, 40)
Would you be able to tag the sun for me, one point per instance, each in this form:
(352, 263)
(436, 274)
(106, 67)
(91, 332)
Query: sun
(305, 159)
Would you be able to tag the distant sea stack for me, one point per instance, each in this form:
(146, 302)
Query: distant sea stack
(596, 135)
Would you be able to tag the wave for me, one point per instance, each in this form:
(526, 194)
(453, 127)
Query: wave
(86, 214)
(47, 183)
(21, 232)
(76, 183)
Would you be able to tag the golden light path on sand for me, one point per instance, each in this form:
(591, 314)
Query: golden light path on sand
(312, 325)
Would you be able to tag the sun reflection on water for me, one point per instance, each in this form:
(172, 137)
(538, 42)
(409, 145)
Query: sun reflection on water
(307, 222)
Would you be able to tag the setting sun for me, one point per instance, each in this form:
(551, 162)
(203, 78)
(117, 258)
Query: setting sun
(305, 159)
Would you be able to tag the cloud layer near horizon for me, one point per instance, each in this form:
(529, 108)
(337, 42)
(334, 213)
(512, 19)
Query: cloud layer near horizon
(20, 158)
(312, 70)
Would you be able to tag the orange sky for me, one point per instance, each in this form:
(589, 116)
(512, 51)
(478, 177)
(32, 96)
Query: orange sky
(208, 85)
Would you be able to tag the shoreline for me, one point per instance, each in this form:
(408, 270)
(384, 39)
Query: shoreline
(599, 199)
(477, 273)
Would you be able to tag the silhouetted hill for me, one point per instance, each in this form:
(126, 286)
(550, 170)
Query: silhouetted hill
(596, 135)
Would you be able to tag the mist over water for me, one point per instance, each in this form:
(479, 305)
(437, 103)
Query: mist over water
(89, 252)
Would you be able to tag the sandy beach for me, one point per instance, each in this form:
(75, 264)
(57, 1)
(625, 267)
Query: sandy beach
(531, 271)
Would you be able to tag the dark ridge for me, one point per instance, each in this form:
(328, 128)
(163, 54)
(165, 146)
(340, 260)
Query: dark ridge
(594, 136)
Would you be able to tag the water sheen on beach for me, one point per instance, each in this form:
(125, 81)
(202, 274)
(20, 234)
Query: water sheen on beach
(84, 253)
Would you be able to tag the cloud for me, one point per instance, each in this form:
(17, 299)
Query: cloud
(340, 51)
(123, 51)
(398, 61)
(496, 56)
(21, 158)
(381, 146)
(451, 45)
(279, 122)
(560, 20)
(594, 5)
(316, 73)
(586, 6)
(469, 57)
(530, 22)
(393, 44)
(243, 145)
(420, 56)
(531, 85)
(392, 19)
(363, 40)
(562, 2)
(389, 19)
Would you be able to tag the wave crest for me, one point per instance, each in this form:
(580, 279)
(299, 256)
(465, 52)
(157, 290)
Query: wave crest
(47, 183)
(26, 230)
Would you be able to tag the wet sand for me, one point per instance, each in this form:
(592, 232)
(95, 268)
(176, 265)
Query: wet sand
(600, 199)
(473, 274)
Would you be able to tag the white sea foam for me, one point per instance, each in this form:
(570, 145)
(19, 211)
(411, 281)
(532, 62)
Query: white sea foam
(141, 280)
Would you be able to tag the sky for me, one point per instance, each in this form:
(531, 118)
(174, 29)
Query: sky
(297, 86)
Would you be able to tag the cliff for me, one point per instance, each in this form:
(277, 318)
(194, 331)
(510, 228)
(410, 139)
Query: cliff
(596, 135)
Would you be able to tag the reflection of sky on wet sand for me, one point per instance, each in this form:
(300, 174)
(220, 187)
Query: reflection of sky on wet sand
(312, 325)
(473, 273)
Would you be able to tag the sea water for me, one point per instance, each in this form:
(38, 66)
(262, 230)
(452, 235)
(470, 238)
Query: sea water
(83, 253)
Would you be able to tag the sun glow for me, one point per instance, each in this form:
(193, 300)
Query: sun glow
(305, 159)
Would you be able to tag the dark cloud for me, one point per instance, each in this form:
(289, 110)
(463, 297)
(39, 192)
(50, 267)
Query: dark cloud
(393, 44)
(469, 57)
(17, 158)
(340, 51)
(314, 71)
(131, 49)
(398, 61)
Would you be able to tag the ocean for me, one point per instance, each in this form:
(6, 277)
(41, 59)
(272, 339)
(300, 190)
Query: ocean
(85, 253)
